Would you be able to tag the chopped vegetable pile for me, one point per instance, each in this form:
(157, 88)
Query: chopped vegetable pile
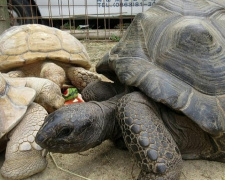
(71, 96)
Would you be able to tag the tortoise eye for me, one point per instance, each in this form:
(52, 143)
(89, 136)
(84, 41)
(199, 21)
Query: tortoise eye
(64, 132)
(84, 127)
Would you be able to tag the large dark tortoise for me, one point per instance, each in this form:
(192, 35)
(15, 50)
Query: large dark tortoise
(171, 63)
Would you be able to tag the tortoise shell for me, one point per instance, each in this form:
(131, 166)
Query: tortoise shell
(175, 54)
(27, 44)
(14, 101)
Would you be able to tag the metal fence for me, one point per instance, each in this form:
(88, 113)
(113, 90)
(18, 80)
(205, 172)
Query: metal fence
(85, 19)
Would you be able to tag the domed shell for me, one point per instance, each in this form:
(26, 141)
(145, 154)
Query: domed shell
(27, 44)
(175, 55)
(14, 100)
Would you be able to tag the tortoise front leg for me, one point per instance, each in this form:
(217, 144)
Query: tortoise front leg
(81, 77)
(54, 73)
(23, 156)
(147, 138)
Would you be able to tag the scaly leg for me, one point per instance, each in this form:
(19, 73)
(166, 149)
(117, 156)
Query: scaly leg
(54, 73)
(80, 77)
(23, 156)
(147, 138)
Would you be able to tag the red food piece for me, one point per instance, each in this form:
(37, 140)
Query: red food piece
(78, 99)
(65, 92)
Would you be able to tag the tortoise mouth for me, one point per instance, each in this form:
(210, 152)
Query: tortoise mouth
(64, 147)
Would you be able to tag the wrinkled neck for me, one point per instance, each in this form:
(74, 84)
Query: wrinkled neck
(111, 129)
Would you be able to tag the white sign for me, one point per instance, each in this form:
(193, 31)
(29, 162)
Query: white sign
(92, 8)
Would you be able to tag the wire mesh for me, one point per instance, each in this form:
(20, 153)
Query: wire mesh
(85, 19)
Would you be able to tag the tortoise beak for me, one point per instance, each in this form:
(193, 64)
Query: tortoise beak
(40, 140)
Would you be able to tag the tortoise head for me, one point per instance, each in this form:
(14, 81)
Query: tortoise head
(72, 128)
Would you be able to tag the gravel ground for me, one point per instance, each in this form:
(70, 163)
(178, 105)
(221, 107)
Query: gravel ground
(106, 162)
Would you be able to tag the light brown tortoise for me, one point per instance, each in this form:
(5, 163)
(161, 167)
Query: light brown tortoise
(36, 50)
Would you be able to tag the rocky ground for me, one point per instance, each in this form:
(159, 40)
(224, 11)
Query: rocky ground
(106, 162)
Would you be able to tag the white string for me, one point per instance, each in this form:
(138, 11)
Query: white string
(51, 155)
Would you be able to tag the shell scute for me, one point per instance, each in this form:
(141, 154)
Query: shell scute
(32, 43)
(62, 56)
(43, 42)
(184, 65)
(71, 45)
(13, 103)
(18, 42)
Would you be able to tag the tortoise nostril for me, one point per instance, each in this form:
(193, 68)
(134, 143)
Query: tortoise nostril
(39, 139)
